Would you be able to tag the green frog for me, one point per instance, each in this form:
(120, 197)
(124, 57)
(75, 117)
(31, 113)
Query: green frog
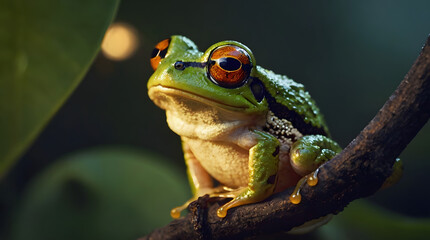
(251, 131)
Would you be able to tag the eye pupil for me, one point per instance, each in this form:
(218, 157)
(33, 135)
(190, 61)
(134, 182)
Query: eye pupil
(154, 53)
(229, 64)
(162, 53)
(179, 65)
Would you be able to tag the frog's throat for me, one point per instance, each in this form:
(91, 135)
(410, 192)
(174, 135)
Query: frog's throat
(154, 95)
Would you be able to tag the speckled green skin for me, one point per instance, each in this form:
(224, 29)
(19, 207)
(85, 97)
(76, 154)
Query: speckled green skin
(306, 154)
(292, 95)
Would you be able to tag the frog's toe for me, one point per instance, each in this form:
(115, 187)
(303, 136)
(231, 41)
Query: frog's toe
(210, 191)
(222, 211)
(311, 179)
(241, 196)
(227, 193)
(176, 212)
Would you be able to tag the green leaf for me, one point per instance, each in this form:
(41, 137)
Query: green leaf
(46, 47)
(100, 194)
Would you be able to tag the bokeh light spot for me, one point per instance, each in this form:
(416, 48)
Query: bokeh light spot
(120, 42)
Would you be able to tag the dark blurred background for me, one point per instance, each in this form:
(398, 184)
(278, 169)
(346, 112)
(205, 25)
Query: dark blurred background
(350, 55)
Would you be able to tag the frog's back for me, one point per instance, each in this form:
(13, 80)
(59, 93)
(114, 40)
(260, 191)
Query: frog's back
(288, 99)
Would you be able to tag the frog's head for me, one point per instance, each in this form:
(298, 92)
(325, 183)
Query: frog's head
(220, 77)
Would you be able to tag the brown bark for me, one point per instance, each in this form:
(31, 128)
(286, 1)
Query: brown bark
(358, 171)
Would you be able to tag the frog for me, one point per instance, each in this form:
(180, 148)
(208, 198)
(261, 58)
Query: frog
(246, 132)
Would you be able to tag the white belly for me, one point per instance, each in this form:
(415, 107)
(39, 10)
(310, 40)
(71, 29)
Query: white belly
(226, 162)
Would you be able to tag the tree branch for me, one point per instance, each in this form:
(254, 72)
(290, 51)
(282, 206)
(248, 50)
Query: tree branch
(358, 171)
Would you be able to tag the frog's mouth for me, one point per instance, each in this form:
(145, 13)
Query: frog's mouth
(168, 97)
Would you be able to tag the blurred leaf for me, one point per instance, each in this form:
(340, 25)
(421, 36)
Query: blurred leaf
(100, 194)
(363, 220)
(46, 46)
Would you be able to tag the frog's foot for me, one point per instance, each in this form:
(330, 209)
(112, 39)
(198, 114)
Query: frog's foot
(309, 152)
(306, 156)
(241, 196)
(311, 179)
(176, 212)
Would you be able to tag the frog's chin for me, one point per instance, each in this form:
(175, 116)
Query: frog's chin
(194, 116)
(167, 97)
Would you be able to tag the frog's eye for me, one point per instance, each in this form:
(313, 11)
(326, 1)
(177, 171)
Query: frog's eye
(159, 53)
(229, 66)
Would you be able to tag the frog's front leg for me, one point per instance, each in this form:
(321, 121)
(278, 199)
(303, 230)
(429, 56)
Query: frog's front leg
(263, 168)
(306, 155)
(201, 182)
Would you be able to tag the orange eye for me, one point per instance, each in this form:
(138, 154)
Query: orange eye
(159, 53)
(229, 66)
